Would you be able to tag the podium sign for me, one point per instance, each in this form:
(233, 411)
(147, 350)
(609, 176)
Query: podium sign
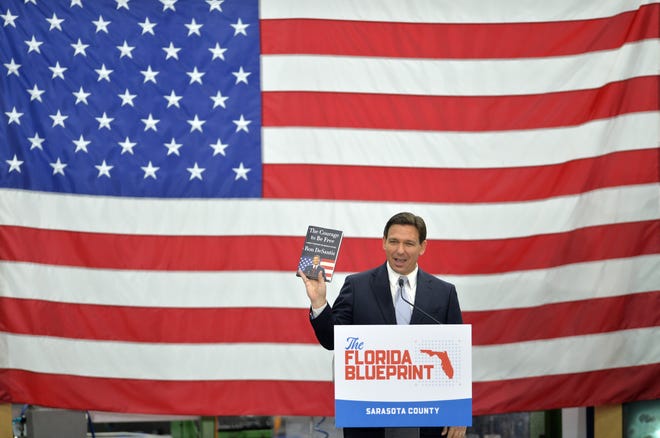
(403, 375)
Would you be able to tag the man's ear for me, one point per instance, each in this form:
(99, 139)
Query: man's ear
(423, 245)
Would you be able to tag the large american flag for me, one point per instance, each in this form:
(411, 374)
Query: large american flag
(160, 162)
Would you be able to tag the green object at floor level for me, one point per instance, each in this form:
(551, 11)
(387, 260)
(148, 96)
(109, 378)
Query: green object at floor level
(203, 428)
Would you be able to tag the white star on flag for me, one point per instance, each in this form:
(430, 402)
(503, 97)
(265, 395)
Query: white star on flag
(127, 146)
(122, 4)
(173, 147)
(35, 93)
(219, 148)
(241, 75)
(33, 45)
(104, 121)
(14, 164)
(168, 5)
(58, 71)
(127, 98)
(196, 124)
(171, 51)
(150, 123)
(79, 48)
(58, 119)
(218, 52)
(14, 116)
(58, 167)
(215, 5)
(104, 169)
(104, 73)
(147, 26)
(149, 75)
(219, 100)
(242, 124)
(36, 142)
(195, 172)
(125, 50)
(195, 76)
(55, 22)
(173, 100)
(81, 96)
(81, 144)
(241, 172)
(193, 28)
(12, 67)
(101, 25)
(239, 27)
(9, 19)
(150, 171)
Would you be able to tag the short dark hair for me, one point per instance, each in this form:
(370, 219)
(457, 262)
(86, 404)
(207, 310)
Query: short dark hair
(406, 218)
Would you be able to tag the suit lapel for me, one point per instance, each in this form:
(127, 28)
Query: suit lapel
(423, 296)
(380, 287)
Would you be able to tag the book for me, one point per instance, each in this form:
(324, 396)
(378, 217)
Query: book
(320, 252)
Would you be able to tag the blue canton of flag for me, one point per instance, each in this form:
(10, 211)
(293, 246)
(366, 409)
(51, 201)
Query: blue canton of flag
(138, 98)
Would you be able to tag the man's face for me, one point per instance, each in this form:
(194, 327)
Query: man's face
(316, 260)
(402, 248)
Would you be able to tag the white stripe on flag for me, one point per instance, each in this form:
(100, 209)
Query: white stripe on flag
(460, 150)
(288, 217)
(465, 11)
(580, 281)
(459, 77)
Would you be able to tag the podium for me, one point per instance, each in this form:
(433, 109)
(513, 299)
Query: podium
(403, 375)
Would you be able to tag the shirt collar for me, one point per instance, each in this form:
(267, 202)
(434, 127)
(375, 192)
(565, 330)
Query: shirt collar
(394, 277)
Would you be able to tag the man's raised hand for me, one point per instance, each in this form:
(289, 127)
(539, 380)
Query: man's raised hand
(316, 290)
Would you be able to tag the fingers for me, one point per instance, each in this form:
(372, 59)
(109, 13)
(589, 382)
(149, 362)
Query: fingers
(453, 432)
(457, 432)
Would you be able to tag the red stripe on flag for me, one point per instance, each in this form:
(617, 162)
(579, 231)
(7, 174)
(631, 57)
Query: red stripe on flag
(459, 113)
(186, 325)
(573, 318)
(313, 398)
(229, 397)
(463, 257)
(155, 324)
(365, 183)
(456, 40)
(209, 253)
(560, 391)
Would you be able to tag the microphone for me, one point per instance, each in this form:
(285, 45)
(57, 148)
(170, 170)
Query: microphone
(416, 307)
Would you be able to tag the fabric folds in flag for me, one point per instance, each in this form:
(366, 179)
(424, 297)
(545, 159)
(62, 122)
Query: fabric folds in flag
(160, 162)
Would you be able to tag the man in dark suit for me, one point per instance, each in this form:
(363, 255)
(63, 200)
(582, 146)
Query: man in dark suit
(370, 297)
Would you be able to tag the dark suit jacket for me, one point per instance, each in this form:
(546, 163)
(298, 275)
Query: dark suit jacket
(365, 298)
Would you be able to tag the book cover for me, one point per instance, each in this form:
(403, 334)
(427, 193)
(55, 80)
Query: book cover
(320, 252)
